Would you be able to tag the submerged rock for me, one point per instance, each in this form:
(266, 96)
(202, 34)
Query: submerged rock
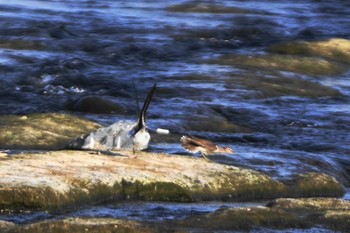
(243, 219)
(69, 178)
(196, 7)
(96, 104)
(276, 85)
(296, 64)
(41, 131)
(336, 49)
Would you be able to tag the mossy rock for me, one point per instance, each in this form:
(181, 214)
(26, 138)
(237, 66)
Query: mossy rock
(41, 130)
(82, 225)
(336, 49)
(316, 185)
(291, 63)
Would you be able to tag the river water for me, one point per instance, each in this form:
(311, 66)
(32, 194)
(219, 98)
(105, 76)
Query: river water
(53, 53)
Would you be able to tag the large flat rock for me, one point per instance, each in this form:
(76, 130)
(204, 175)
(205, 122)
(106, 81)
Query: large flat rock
(57, 179)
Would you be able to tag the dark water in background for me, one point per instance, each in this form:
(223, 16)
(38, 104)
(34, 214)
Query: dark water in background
(52, 53)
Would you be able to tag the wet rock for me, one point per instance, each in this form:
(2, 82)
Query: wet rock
(331, 213)
(316, 185)
(19, 44)
(213, 124)
(275, 86)
(96, 104)
(336, 49)
(311, 203)
(243, 219)
(81, 225)
(5, 225)
(41, 131)
(296, 64)
(196, 7)
(284, 213)
(61, 179)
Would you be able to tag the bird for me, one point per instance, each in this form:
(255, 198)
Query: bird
(205, 147)
(120, 135)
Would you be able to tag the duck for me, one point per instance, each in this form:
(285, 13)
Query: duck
(205, 147)
(122, 135)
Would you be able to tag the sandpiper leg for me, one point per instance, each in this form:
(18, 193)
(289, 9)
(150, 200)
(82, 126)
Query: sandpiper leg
(205, 157)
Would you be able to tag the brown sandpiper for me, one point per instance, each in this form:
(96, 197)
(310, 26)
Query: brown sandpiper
(205, 147)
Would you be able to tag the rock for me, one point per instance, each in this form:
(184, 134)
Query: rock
(315, 185)
(195, 7)
(285, 213)
(331, 213)
(61, 179)
(277, 85)
(311, 203)
(336, 49)
(291, 63)
(19, 44)
(41, 131)
(213, 124)
(96, 104)
(5, 225)
(82, 225)
(242, 219)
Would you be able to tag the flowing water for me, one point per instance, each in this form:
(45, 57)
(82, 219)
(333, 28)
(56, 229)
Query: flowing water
(52, 53)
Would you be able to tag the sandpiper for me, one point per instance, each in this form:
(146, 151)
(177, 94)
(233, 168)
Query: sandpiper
(120, 135)
(205, 147)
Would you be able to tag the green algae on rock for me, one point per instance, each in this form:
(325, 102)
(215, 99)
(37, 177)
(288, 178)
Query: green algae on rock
(42, 130)
(336, 49)
(291, 63)
(62, 179)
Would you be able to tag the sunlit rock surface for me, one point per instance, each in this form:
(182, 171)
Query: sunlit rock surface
(67, 178)
(41, 131)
